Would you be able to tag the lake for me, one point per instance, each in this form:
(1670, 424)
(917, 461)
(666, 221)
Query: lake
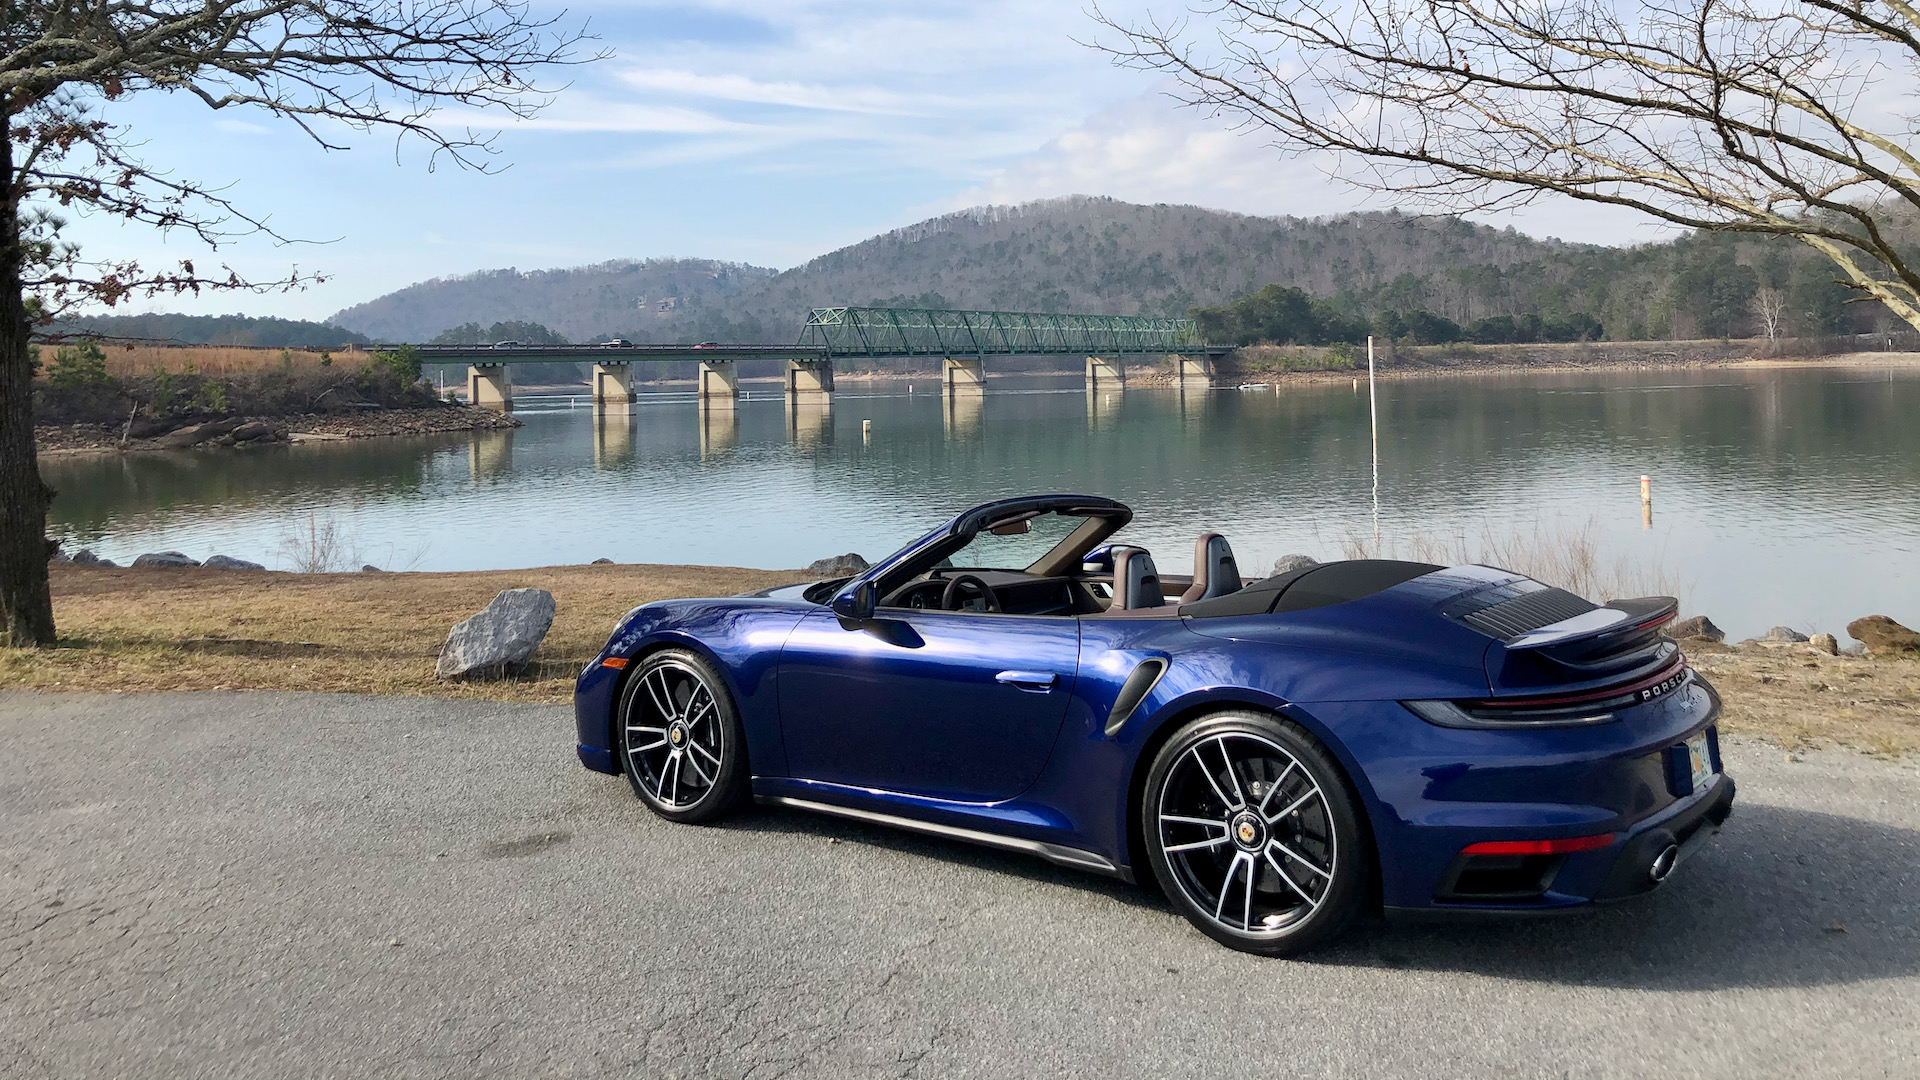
(1781, 496)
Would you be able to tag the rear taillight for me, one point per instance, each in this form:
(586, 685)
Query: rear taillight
(1592, 706)
(1563, 846)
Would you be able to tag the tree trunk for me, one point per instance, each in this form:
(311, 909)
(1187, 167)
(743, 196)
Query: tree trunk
(26, 604)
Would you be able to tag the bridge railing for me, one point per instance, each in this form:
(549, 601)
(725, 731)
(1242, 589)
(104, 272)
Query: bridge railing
(879, 332)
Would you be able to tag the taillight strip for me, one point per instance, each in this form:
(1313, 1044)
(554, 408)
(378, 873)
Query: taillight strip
(1666, 672)
(1565, 846)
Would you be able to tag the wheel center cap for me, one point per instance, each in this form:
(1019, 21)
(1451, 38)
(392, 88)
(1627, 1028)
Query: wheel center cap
(677, 735)
(1248, 831)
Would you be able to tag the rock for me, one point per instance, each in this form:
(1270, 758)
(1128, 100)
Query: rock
(1695, 626)
(603, 562)
(1784, 635)
(499, 639)
(196, 434)
(839, 565)
(256, 429)
(1883, 637)
(369, 568)
(61, 556)
(1825, 643)
(1855, 649)
(1287, 564)
(228, 562)
(86, 557)
(163, 558)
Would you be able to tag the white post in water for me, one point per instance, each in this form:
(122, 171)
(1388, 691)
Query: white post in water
(1373, 416)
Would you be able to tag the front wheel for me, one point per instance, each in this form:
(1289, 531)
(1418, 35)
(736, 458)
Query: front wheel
(683, 746)
(1253, 832)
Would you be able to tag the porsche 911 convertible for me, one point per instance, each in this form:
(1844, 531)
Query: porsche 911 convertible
(1276, 755)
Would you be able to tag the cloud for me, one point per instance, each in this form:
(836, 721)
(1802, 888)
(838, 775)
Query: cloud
(1150, 149)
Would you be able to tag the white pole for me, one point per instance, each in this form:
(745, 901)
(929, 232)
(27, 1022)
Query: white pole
(1373, 416)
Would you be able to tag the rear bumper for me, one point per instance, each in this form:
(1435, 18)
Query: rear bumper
(1619, 872)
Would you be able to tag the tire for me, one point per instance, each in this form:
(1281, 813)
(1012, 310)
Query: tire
(681, 743)
(1246, 870)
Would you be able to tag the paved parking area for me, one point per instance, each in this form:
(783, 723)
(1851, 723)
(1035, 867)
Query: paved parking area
(258, 884)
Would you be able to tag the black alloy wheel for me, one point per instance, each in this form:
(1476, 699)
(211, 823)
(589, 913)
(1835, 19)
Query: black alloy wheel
(682, 744)
(1254, 834)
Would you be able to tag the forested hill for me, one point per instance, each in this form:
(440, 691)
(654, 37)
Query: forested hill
(634, 298)
(1086, 254)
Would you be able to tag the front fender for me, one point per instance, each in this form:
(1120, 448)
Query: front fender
(741, 637)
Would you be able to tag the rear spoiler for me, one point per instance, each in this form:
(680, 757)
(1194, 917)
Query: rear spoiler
(1602, 637)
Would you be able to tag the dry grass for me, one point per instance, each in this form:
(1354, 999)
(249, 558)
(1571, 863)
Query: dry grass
(191, 629)
(1797, 696)
(124, 361)
(1571, 555)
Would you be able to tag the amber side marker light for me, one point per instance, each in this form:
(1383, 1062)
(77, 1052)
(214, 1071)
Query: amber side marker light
(1539, 847)
(615, 662)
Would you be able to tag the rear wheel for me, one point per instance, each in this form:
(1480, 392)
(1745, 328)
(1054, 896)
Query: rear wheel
(681, 739)
(1252, 830)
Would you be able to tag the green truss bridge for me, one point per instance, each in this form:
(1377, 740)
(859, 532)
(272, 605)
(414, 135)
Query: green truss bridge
(962, 340)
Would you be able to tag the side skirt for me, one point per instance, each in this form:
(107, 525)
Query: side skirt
(1053, 853)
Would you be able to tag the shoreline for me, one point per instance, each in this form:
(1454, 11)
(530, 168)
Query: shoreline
(78, 439)
(201, 629)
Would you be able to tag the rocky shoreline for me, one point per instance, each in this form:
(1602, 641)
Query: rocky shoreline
(242, 432)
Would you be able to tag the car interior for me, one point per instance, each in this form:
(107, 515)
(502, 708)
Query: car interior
(1077, 575)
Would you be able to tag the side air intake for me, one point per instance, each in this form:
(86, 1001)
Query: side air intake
(1134, 691)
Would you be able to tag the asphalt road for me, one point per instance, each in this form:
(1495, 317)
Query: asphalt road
(254, 884)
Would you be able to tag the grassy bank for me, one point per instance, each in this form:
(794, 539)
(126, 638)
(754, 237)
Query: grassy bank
(380, 633)
(192, 629)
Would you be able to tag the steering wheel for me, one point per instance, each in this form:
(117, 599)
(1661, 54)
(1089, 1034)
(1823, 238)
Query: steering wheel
(952, 593)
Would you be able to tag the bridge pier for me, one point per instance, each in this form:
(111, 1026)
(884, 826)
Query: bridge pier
(962, 415)
(612, 436)
(719, 431)
(810, 382)
(489, 387)
(719, 383)
(963, 375)
(1195, 371)
(612, 383)
(1104, 374)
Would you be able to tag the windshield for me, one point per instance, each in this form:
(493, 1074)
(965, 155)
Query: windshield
(1017, 546)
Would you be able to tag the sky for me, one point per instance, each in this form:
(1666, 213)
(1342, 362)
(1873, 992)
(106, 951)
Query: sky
(760, 131)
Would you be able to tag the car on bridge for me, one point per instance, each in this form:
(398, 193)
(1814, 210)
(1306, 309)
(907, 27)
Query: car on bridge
(1277, 755)
(617, 343)
(506, 344)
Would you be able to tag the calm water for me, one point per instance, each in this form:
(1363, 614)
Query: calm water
(1780, 497)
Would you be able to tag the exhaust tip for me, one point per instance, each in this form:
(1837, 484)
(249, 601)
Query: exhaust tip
(1663, 863)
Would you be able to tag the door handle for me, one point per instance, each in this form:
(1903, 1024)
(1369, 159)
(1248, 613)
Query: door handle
(1033, 682)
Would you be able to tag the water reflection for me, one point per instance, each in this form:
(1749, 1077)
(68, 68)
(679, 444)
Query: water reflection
(1787, 496)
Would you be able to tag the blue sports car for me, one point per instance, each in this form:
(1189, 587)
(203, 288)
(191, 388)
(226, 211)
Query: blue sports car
(1277, 755)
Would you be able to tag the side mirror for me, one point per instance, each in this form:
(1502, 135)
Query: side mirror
(854, 604)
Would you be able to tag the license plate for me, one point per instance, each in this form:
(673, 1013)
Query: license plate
(1701, 759)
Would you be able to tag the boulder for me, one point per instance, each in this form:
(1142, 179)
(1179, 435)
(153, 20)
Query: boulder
(228, 562)
(86, 557)
(1695, 626)
(196, 434)
(164, 558)
(1784, 635)
(369, 568)
(1825, 643)
(255, 430)
(497, 641)
(1881, 635)
(603, 562)
(1287, 564)
(838, 566)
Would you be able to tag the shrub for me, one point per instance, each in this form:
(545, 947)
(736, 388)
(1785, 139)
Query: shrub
(74, 368)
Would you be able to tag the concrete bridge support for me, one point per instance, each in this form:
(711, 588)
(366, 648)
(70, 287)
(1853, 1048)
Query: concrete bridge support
(962, 413)
(1195, 371)
(719, 431)
(612, 383)
(809, 382)
(489, 387)
(612, 436)
(963, 375)
(1104, 374)
(719, 383)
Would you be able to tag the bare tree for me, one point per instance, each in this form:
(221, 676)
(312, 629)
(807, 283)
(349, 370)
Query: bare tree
(1769, 306)
(331, 67)
(1761, 116)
